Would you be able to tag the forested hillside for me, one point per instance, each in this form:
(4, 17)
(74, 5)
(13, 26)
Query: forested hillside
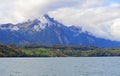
(10, 51)
(37, 50)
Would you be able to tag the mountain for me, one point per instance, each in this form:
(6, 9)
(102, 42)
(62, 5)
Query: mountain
(48, 31)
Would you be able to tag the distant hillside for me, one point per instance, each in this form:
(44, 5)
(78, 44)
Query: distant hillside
(36, 50)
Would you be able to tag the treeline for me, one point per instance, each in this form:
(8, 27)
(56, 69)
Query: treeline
(38, 50)
(10, 51)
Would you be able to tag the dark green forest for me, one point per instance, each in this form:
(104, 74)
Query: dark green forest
(38, 50)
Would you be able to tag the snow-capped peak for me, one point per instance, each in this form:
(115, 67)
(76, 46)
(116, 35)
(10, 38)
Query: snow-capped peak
(42, 19)
(45, 21)
(37, 24)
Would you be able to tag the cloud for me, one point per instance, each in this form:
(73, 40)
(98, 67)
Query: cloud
(99, 17)
(21, 10)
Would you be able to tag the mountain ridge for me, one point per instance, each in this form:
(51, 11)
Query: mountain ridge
(48, 31)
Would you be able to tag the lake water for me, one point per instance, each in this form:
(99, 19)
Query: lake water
(76, 66)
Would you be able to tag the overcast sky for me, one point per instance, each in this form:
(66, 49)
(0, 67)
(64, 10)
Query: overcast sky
(99, 17)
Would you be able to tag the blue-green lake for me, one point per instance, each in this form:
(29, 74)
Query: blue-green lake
(71, 66)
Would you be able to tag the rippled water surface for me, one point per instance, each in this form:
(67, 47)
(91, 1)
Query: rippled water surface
(81, 66)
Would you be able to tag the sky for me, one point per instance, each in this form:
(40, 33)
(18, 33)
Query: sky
(99, 17)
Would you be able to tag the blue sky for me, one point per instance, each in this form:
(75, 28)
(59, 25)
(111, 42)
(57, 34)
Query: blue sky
(114, 1)
(99, 17)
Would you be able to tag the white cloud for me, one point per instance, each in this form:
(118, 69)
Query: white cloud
(99, 17)
(14, 11)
